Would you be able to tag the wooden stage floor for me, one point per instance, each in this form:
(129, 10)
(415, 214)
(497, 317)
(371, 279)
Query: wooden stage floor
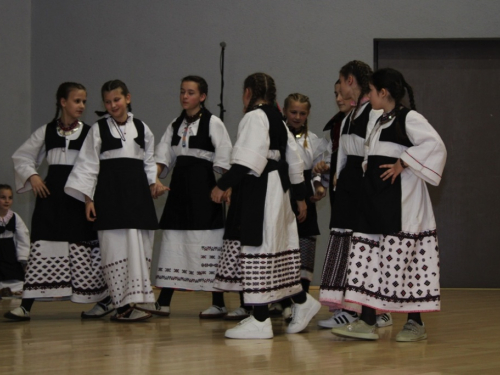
(464, 338)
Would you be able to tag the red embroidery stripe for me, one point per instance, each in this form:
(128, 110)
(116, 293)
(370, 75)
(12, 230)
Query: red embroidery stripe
(423, 165)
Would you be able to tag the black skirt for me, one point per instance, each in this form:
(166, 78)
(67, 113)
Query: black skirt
(245, 217)
(309, 227)
(122, 198)
(189, 206)
(60, 217)
(10, 268)
(345, 212)
(381, 203)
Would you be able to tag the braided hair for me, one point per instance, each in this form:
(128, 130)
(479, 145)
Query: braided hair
(63, 93)
(394, 82)
(300, 98)
(263, 87)
(362, 72)
(113, 85)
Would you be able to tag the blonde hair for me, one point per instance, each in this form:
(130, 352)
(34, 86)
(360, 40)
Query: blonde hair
(300, 98)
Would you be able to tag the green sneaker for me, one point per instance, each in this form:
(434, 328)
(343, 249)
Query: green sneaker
(412, 331)
(357, 330)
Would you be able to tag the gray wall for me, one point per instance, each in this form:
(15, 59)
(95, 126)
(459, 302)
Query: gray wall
(152, 44)
(15, 91)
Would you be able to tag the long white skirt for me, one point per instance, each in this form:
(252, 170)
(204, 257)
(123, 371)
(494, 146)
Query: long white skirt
(126, 262)
(269, 272)
(398, 273)
(189, 259)
(64, 269)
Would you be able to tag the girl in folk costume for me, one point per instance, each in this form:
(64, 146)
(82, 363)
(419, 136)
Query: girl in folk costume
(311, 149)
(261, 255)
(328, 168)
(65, 259)
(394, 261)
(354, 85)
(115, 175)
(197, 144)
(14, 246)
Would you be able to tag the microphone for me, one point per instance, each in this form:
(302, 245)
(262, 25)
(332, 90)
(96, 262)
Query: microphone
(223, 45)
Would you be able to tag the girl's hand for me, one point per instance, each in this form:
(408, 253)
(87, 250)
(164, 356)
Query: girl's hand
(158, 189)
(393, 171)
(227, 196)
(302, 208)
(335, 180)
(319, 194)
(217, 194)
(321, 168)
(90, 210)
(39, 187)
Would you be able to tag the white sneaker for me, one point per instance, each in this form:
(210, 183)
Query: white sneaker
(213, 312)
(153, 308)
(251, 328)
(384, 320)
(19, 314)
(98, 311)
(302, 314)
(412, 331)
(287, 314)
(357, 330)
(238, 314)
(338, 319)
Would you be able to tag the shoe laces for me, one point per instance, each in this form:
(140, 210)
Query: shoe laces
(244, 321)
(293, 312)
(411, 326)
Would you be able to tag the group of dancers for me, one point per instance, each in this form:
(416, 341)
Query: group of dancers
(94, 219)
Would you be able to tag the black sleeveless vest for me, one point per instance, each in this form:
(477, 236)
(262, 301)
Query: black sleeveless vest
(359, 124)
(396, 133)
(54, 140)
(201, 140)
(111, 143)
(10, 226)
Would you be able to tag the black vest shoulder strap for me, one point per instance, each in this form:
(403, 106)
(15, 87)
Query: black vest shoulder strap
(358, 125)
(202, 139)
(175, 128)
(278, 140)
(278, 136)
(108, 141)
(76, 144)
(139, 125)
(52, 139)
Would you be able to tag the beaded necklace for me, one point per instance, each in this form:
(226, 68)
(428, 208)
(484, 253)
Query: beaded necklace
(67, 130)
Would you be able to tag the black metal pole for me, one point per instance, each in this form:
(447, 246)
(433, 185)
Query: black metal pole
(221, 63)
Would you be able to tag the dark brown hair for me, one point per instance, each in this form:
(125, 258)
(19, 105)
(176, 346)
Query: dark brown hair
(262, 86)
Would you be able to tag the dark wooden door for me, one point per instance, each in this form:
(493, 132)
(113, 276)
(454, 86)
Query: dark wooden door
(457, 85)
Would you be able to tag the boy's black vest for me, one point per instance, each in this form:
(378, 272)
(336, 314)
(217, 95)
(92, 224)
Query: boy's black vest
(201, 140)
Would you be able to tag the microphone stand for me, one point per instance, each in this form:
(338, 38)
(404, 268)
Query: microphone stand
(221, 106)
(221, 64)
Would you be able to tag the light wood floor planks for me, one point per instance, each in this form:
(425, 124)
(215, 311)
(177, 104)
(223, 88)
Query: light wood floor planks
(463, 339)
